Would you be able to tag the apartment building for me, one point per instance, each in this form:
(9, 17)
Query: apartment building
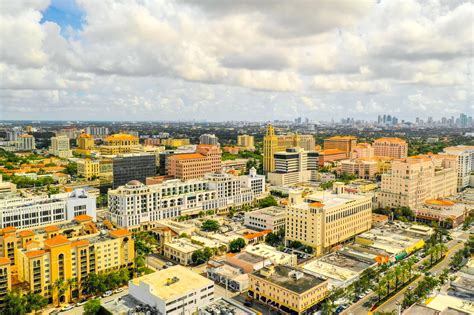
(119, 143)
(295, 165)
(85, 144)
(391, 147)
(413, 180)
(88, 168)
(361, 168)
(135, 204)
(324, 219)
(133, 166)
(270, 218)
(60, 147)
(25, 212)
(273, 143)
(5, 279)
(343, 143)
(176, 290)
(41, 264)
(26, 142)
(97, 131)
(465, 163)
(247, 142)
(363, 150)
(287, 289)
(210, 139)
(206, 159)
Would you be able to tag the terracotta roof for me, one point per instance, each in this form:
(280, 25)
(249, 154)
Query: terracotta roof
(316, 204)
(439, 202)
(250, 236)
(51, 228)
(331, 151)
(187, 156)
(120, 233)
(85, 135)
(342, 138)
(391, 140)
(35, 253)
(31, 242)
(57, 241)
(4, 261)
(26, 233)
(379, 217)
(83, 218)
(9, 229)
(121, 137)
(80, 243)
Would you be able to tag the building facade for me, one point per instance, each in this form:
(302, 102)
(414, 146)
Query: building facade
(210, 139)
(247, 142)
(295, 165)
(361, 168)
(270, 218)
(85, 144)
(391, 147)
(60, 147)
(206, 159)
(26, 143)
(88, 168)
(343, 143)
(119, 143)
(133, 166)
(465, 163)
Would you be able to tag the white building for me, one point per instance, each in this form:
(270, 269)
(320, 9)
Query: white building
(60, 147)
(26, 143)
(22, 212)
(465, 163)
(270, 218)
(208, 139)
(295, 165)
(176, 290)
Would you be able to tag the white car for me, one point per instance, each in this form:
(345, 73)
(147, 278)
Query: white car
(118, 290)
(107, 293)
(67, 308)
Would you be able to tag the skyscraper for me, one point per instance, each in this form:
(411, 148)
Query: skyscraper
(134, 166)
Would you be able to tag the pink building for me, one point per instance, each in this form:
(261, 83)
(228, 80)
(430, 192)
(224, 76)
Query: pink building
(360, 168)
(363, 150)
(391, 147)
(206, 159)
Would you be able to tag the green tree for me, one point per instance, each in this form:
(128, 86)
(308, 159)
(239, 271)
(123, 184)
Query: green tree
(201, 256)
(71, 169)
(328, 307)
(236, 245)
(60, 287)
(15, 304)
(92, 307)
(268, 201)
(71, 283)
(35, 302)
(210, 226)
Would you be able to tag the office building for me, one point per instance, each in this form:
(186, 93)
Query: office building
(307, 142)
(271, 254)
(445, 213)
(293, 166)
(246, 142)
(363, 150)
(343, 143)
(60, 147)
(25, 212)
(273, 143)
(287, 289)
(98, 132)
(41, 264)
(465, 163)
(270, 218)
(85, 144)
(88, 168)
(176, 290)
(413, 180)
(323, 220)
(391, 147)
(361, 168)
(119, 144)
(206, 159)
(210, 139)
(133, 166)
(26, 143)
(330, 156)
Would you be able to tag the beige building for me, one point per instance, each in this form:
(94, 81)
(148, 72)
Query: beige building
(325, 219)
(343, 143)
(26, 143)
(361, 168)
(363, 150)
(287, 289)
(464, 156)
(413, 180)
(391, 147)
(207, 159)
(5, 279)
(60, 147)
(246, 142)
(88, 168)
(85, 144)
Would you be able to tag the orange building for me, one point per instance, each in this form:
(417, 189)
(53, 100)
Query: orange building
(206, 159)
(343, 143)
(391, 147)
(331, 155)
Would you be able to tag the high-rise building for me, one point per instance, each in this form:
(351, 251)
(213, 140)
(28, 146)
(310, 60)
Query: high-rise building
(85, 144)
(294, 165)
(246, 142)
(324, 220)
(343, 143)
(363, 150)
(413, 180)
(60, 147)
(206, 159)
(273, 143)
(88, 168)
(119, 143)
(208, 139)
(133, 166)
(26, 143)
(5, 280)
(25, 212)
(391, 147)
(98, 132)
(465, 163)
(307, 142)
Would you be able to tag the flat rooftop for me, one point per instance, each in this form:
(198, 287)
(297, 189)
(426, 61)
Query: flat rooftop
(249, 258)
(330, 200)
(281, 276)
(267, 212)
(225, 306)
(187, 281)
(183, 245)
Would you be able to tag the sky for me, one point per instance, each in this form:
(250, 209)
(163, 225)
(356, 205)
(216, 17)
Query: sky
(220, 60)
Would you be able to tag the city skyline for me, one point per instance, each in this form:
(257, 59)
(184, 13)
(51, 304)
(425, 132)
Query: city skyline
(165, 61)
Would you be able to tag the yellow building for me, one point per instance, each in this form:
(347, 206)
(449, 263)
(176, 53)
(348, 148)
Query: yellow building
(41, 264)
(343, 143)
(273, 143)
(5, 279)
(324, 219)
(287, 289)
(85, 144)
(119, 143)
(246, 142)
(88, 168)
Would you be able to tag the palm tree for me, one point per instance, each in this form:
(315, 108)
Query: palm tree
(390, 276)
(328, 307)
(442, 250)
(398, 273)
(71, 284)
(410, 263)
(60, 287)
(382, 288)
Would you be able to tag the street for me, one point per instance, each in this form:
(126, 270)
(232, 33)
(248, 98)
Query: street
(80, 309)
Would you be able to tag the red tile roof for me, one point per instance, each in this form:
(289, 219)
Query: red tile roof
(120, 233)
(57, 241)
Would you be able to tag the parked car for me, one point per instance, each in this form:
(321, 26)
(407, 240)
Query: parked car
(248, 303)
(107, 293)
(67, 308)
(169, 264)
(54, 312)
(118, 290)
(80, 303)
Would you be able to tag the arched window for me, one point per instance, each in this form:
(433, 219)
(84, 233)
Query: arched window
(61, 266)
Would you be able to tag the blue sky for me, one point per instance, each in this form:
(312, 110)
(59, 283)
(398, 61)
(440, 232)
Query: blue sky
(65, 13)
